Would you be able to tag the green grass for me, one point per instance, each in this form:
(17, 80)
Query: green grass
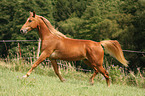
(12, 84)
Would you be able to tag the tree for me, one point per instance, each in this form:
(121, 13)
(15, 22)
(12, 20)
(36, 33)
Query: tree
(136, 8)
(111, 19)
(97, 20)
(13, 15)
(65, 9)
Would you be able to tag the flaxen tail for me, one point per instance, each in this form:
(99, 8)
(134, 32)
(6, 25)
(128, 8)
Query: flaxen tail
(114, 49)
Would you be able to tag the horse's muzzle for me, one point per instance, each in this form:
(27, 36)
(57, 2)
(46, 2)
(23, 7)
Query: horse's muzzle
(23, 31)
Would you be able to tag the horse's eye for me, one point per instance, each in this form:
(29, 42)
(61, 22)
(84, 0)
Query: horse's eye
(30, 21)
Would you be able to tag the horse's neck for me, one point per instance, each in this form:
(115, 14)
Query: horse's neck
(44, 32)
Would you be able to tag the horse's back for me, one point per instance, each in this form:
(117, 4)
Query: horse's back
(74, 49)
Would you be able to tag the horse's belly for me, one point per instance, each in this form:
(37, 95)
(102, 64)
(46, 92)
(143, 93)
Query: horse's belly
(66, 56)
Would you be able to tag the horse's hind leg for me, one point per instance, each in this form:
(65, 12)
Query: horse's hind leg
(55, 66)
(94, 74)
(100, 69)
(104, 73)
(95, 58)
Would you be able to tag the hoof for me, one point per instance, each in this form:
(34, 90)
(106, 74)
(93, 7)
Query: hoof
(108, 86)
(25, 76)
(91, 83)
(63, 80)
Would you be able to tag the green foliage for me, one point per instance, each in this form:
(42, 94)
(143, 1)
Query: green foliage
(70, 26)
(65, 9)
(97, 20)
(111, 19)
(13, 15)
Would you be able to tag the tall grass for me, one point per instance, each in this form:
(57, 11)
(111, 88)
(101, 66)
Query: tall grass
(12, 84)
(117, 74)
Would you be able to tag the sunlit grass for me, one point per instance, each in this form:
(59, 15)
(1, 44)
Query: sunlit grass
(12, 84)
(117, 74)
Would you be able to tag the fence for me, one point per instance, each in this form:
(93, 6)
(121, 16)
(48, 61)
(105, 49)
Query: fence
(62, 64)
(66, 65)
(5, 41)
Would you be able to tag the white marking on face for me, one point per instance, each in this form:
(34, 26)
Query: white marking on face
(28, 19)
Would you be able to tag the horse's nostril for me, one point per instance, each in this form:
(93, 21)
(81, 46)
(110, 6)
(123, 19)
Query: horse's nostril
(21, 31)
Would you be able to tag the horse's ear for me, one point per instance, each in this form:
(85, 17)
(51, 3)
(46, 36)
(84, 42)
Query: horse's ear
(34, 14)
(31, 13)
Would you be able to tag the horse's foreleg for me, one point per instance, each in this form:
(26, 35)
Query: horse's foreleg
(39, 60)
(55, 66)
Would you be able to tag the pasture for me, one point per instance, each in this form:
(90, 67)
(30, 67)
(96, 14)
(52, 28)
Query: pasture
(12, 84)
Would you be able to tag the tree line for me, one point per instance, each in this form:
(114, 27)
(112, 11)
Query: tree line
(96, 20)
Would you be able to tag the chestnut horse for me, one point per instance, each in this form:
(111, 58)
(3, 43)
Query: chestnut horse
(56, 46)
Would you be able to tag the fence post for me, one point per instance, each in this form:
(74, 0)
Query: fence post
(19, 50)
(38, 50)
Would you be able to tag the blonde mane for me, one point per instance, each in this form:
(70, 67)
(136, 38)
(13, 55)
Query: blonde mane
(51, 28)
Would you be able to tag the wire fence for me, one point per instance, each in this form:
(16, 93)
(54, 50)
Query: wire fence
(64, 65)
(130, 51)
(61, 64)
(18, 41)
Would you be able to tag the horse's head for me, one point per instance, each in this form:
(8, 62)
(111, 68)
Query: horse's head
(30, 24)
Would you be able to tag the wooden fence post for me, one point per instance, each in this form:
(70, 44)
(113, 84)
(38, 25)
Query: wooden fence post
(38, 50)
(19, 50)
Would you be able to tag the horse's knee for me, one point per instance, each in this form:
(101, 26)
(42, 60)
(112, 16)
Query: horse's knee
(34, 66)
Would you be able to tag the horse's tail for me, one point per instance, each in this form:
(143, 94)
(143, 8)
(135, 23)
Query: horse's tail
(114, 49)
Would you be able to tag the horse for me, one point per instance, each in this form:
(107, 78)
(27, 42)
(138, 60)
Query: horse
(56, 46)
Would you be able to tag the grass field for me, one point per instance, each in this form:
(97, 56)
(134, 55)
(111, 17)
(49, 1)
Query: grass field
(12, 84)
